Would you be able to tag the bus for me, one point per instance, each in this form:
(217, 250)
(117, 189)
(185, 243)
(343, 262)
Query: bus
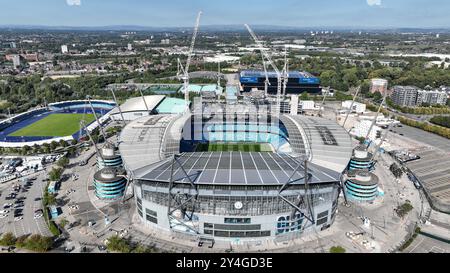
(54, 212)
(52, 187)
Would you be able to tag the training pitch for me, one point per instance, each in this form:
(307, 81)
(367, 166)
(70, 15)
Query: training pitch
(55, 125)
(235, 147)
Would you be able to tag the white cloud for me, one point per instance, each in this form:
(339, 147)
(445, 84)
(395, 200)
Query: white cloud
(374, 2)
(73, 2)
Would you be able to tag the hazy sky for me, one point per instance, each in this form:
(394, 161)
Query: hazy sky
(298, 13)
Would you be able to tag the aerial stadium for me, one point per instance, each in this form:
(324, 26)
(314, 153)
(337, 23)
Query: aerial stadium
(229, 173)
(55, 122)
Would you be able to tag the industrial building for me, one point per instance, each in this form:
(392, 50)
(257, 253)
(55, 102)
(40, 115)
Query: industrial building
(357, 107)
(237, 195)
(298, 82)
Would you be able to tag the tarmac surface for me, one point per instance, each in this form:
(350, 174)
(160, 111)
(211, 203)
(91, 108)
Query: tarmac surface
(28, 225)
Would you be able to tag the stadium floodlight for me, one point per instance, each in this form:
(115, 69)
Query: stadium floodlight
(145, 102)
(118, 106)
(96, 118)
(375, 119)
(83, 125)
(351, 106)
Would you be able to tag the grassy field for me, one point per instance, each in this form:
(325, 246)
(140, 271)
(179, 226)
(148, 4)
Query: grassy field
(55, 125)
(235, 147)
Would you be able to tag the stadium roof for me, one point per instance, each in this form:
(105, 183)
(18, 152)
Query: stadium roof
(272, 74)
(325, 142)
(235, 168)
(137, 104)
(145, 140)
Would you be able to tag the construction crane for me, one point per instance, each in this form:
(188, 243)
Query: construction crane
(266, 81)
(185, 70)
(351, 106)
(272, 64)
(323, 100)
(285, 72)
(375, 119)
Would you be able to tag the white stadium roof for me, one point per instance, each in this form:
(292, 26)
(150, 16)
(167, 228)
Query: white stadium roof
(137, 104)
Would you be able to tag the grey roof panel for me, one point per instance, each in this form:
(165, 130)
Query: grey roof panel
(264, 169)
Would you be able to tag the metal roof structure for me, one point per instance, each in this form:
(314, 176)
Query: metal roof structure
(153, 139)
(145, 140)
(235, 168)
(323, 141)
(137, 104)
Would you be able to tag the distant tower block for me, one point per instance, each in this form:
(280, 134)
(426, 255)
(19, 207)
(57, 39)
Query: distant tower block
(110, 183)
(110, 157)
(379, 85)
(361, 186)
(64, 49)
(16, 61)
(130, 47)
(361, 159)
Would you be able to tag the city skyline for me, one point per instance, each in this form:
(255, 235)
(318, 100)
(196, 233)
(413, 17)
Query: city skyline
(95, 13)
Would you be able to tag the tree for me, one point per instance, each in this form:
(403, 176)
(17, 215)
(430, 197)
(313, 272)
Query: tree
(337, 249)
(63, 143)
(55, 174)
(117, 244)
(49, 199)
(63, 222)
(304, 96)
(63, 162)
(396, 170)
(53, 145)
(403, 209)
(8, 239)
(38, 243)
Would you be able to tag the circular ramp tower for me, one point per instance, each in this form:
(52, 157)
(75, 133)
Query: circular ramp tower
(110, 183)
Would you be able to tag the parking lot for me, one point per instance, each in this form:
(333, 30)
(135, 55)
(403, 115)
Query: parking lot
(425, 244)
(423, 136)
(18, 216)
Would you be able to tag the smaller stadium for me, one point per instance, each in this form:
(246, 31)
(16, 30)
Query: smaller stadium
(58, 121)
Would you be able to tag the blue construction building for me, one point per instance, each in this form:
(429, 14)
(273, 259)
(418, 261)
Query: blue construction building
(298, 82)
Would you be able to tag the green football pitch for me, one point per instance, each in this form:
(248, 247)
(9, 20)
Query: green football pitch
(55, 125)
(235, 147)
